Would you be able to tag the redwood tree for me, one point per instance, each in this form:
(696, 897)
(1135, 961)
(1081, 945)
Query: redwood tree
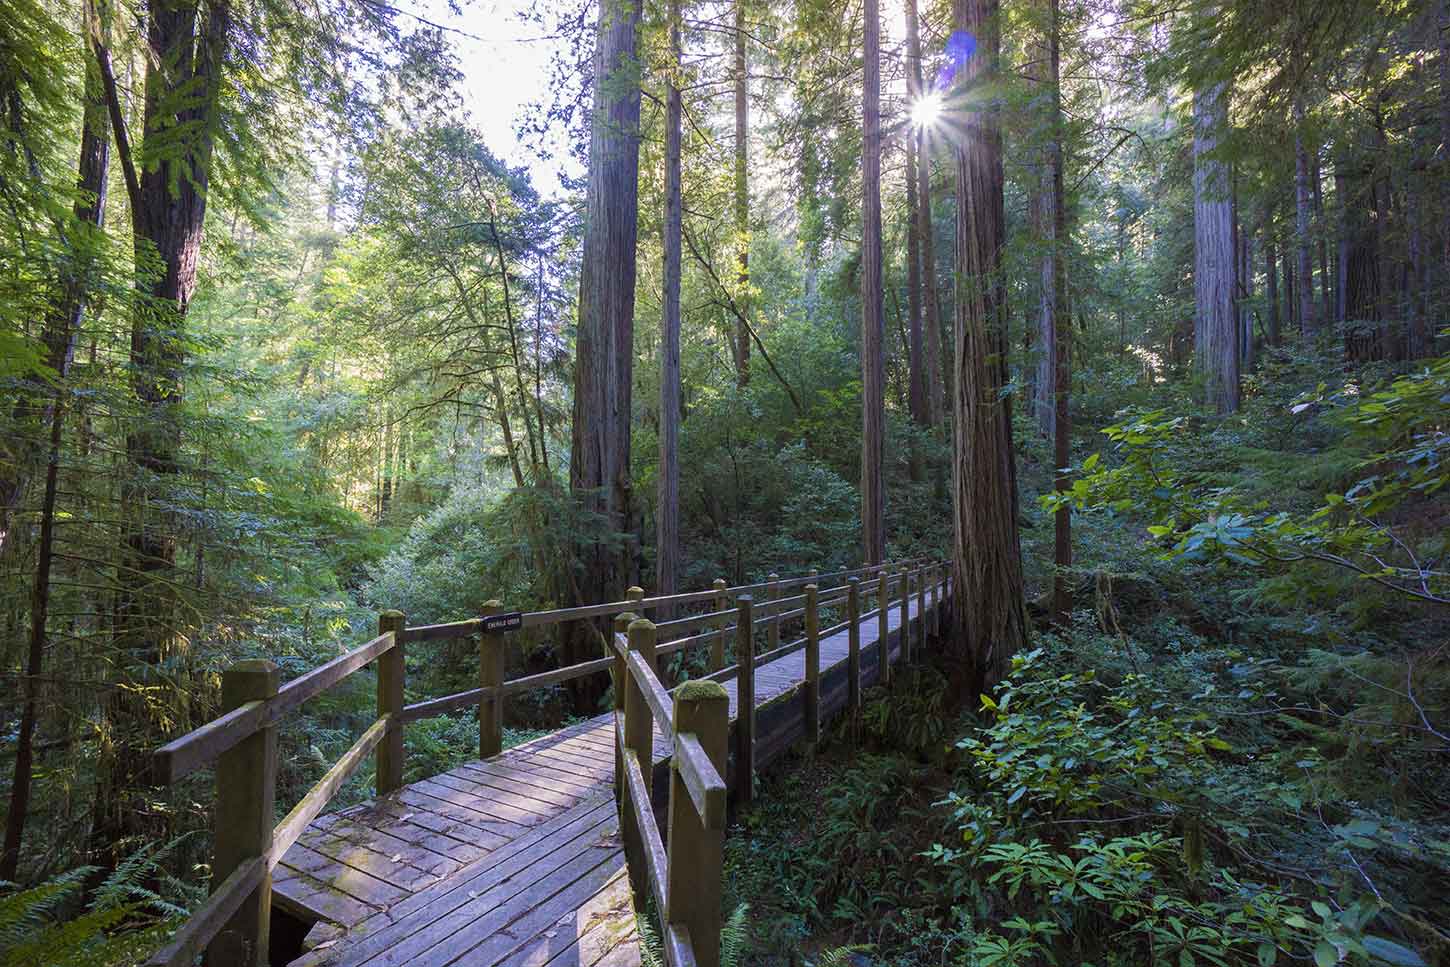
(873, 332)
(1215, 330)
(667, 516)
(989, 621)
(604, 346)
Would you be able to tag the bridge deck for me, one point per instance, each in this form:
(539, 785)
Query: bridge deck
(514, 860)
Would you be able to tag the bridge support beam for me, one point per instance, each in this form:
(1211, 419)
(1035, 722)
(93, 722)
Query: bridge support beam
(390, 702)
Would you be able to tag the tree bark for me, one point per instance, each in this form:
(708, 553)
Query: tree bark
(168, 207)
(873, 323)
(741, 341)
(936, 400)
(1271, 284)
(667, 515)
(604, 351)
(1303, 202)
(916, 351)
(988, 617)
(1062, 339)
(1216, 344)
(1326, 282)
(62, 327)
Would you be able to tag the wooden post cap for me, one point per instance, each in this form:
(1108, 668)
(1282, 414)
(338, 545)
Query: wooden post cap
(249, 680)
(701, 692)
(720, 584)
(640, 627)
(635, 593)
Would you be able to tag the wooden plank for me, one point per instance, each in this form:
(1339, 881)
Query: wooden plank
(339, 877)
(426, 937)
(488, 811)
(497, 794)
(602, 923)
(443, 632)
(425, 828)
(382, 842)
(649, 830)
(507, 927)
(653, 692)
(534, 770)
(525, 784)
(703, 782)
(393, 869)
(321, 794)
(220, 907)
(477, 821)
(494, 880)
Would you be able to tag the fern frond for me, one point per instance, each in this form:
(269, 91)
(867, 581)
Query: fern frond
(841, 956)
(734, 934)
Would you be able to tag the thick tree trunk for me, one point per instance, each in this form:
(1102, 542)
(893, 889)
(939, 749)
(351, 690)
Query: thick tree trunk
(1062, 340)
(168, 210)
(1216, 344)
(667, 516)
(1359, 263)
(62, 326)
(741, 341)
(989, 621)
(873, 371)
(936, 401)
(604, 348)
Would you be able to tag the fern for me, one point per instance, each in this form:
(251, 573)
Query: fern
(841, 956)
(734, 937)
(124, 922)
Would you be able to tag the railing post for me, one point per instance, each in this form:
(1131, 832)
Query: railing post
(921, 574)
(883, 620)
(246, 784)
(813, 667)
(853, 659)
(935, 600)
(390, 702)
(697, 843)
(490, 675)
(905, 616)
(717, 648)
(745, 700)
(638, 739)
(773, 636)
(620, 673)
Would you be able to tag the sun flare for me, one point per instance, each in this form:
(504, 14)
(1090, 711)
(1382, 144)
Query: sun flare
(927, 109)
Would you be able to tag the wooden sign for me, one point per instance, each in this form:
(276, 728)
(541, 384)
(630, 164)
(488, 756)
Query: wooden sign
(512, 621)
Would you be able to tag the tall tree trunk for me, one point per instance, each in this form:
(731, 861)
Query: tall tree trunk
(936, 400)
(1062, 339)
(988, 618)
(168, 207)
(742, 201)
(873, 336)
(1216, 344)
(1271, 284)
(1303, 202)
(667, 516)
(604, 348)
(62, 326)
(1044, 384)
(916, 351)
(1326, 281)
(1359, 261)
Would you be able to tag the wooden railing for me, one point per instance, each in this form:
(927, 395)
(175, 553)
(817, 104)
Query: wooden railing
(233, 926)
(684, 874)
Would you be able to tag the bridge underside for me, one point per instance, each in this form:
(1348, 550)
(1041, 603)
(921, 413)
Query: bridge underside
(516, 860)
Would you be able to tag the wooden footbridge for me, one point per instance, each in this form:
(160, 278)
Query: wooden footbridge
(533, 856)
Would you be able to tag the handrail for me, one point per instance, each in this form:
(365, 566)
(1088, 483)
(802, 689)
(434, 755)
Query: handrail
(684, 874)
(242, 744)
